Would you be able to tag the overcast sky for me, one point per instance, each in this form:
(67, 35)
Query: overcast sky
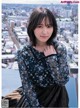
(32, 1)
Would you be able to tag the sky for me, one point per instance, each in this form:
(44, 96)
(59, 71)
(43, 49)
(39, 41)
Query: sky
(32, 1)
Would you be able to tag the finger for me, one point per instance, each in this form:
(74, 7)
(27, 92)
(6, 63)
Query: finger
(46, 48)
(51, 47)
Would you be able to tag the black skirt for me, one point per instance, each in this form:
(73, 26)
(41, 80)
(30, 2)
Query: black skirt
(50, 97)
(53, 96)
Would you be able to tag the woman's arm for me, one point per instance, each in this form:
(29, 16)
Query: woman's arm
(57, 63)
(28, 89)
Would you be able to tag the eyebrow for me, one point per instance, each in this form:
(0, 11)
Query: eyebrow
(46, 24)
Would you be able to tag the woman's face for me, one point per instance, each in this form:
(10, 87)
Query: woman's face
(43, 31)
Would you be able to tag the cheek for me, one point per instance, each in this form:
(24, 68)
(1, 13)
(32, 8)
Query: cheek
(36, 31)
(51, 31)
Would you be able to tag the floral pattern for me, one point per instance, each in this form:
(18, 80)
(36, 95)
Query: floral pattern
(36, 69)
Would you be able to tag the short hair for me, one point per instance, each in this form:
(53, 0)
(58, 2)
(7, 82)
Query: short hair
(36, 18)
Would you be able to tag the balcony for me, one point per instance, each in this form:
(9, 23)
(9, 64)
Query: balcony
(12, 90)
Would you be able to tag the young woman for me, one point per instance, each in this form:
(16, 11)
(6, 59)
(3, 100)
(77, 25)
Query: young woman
(43, 64)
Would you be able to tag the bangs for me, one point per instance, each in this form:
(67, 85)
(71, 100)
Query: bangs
(48, 19)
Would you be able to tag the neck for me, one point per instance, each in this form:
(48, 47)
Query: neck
(40, 46)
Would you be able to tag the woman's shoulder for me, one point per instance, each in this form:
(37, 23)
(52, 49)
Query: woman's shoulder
(60, 47)
(23, 50)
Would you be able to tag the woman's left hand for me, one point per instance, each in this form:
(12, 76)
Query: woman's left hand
(49, 50)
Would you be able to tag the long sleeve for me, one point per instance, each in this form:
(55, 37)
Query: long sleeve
(28, 89)
(57, 63)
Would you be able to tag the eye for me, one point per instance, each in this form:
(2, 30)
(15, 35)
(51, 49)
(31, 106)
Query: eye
(49, 26)
(39, 26)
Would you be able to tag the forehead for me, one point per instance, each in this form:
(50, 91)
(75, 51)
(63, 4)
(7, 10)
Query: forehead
(45, 20)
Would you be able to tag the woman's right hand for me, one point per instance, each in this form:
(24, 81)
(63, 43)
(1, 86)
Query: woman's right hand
(49, 50)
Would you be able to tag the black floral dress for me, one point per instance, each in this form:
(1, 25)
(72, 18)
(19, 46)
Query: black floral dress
(44, 78)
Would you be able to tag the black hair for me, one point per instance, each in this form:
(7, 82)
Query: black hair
(36, 18)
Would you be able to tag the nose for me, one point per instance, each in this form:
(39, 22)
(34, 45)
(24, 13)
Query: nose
(44, 30)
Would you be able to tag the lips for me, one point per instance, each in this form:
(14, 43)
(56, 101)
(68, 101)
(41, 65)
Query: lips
(44, 36)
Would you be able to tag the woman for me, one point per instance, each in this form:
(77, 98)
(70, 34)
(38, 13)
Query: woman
(43, 64)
